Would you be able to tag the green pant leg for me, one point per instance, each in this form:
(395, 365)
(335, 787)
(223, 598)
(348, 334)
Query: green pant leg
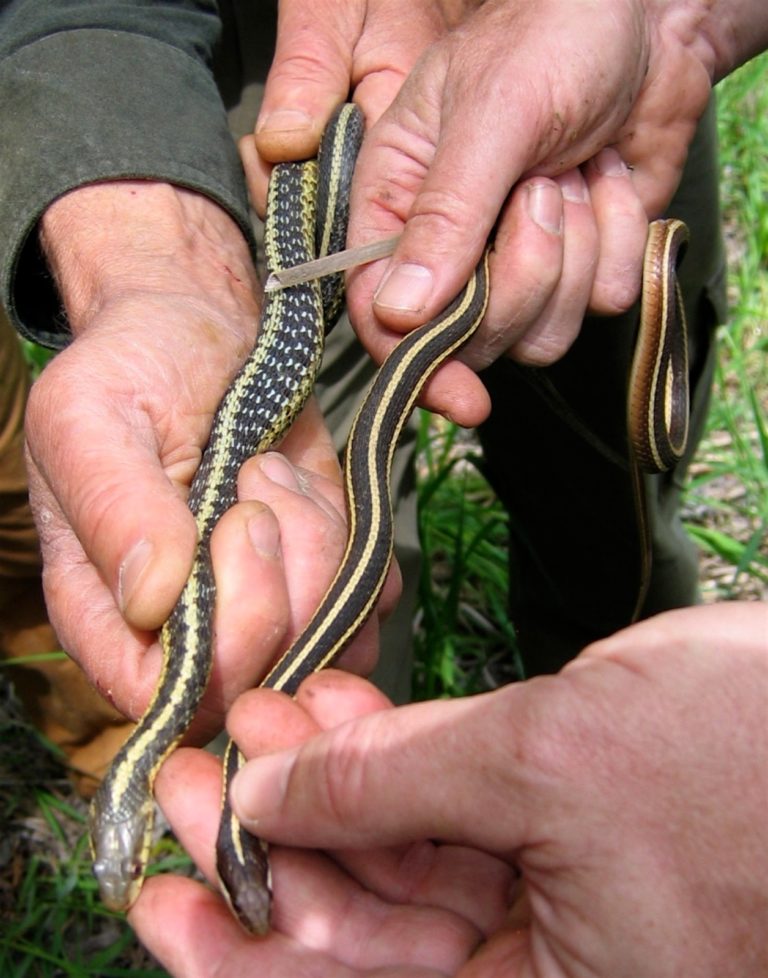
(246, 52)
(574, 544)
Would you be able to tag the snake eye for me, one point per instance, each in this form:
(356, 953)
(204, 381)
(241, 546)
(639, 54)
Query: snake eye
(131, 868)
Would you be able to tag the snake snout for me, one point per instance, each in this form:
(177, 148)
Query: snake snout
(120, 853)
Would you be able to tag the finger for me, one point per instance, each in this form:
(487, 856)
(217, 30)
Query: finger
(507, 953)
(310, 75)
(188, 789)
(122, 663)
(454, 391)
(736, 629)
(450, 203)
(395, 35)
(252, 609)
(526, 264)
(327, 49)
(372, 782)
(433, 160)
(457, 393)
(416, 283)
(332, 697)
(558, 324)
(314, 537)
(257, 172)
(189, 929)
(262, 721)
(309, 444)
(320, 905)
(622, 227)
(324, 52)
(312, 526)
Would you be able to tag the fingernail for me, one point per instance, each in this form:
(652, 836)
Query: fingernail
(545, 206)
(285, 120)
(279, 470)
(609, 163)
(406, 287)
(264, 534)
(258, 789)
(572, 187)
(131, 571)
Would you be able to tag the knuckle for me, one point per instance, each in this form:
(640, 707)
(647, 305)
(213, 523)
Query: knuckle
(542, 348)
(344, 775)
(342, 779)
(443, 214)
(612, 296)
(308, 67)
(41, 403)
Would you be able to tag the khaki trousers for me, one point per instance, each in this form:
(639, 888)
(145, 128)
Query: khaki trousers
(57, 697)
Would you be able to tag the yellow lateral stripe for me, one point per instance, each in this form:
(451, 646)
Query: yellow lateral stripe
(410, 352)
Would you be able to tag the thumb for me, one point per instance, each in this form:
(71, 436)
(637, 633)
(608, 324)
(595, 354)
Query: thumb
(430, 770)
(310, 75)
(439, 161)
(96, 484)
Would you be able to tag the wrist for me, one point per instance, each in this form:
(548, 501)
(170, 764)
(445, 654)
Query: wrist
(108, 241)
(722, 34)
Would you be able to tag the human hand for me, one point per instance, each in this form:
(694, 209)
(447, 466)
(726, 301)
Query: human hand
(162, 300)
(629, 790)
(419, 910)
(326, 52)
(553, 86)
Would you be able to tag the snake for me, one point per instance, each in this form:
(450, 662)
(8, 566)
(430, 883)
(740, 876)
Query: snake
(258, 407)
(307, 210)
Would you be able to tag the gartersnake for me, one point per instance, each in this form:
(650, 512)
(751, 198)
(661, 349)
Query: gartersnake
(258, 407)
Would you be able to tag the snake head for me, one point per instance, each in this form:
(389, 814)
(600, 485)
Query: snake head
(120, 852)
(245, 879)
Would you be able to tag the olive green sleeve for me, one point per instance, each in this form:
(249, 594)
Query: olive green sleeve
(102, 91)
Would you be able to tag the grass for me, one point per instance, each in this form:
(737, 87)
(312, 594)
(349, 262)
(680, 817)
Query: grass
(727, 500)
(52, 925)
(464, 639)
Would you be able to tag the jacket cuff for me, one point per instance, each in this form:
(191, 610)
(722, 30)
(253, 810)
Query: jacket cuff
(84, 106)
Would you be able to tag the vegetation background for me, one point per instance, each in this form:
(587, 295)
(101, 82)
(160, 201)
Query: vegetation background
(51, 923)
